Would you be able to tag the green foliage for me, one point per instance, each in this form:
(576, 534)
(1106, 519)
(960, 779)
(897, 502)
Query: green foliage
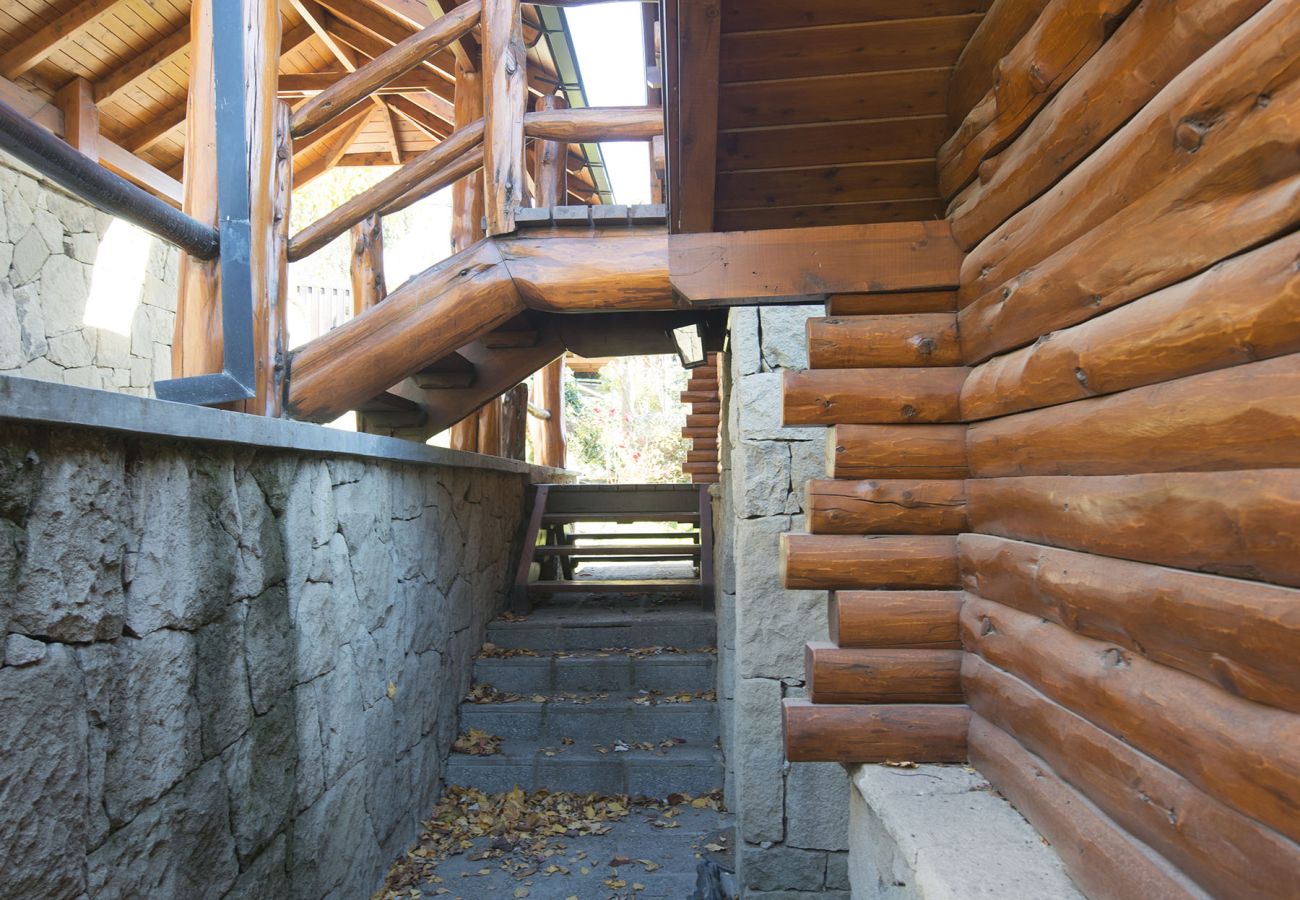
(625, 427)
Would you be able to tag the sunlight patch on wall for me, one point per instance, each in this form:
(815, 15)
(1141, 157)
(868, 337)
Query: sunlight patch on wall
(118, 278)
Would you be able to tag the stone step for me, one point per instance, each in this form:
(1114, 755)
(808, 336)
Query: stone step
(587, 672)
(586, 628)
(600, 721)
(686, 768)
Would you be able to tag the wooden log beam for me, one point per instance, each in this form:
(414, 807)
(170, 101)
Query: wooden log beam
(1202, 423)
(108, 87)
(337, 145)
(80, 117)
(552, 177)
(875, 734)
(871, 396)
(386, 67)
(1063, 37)
(592, 270)
(419, 170)
(883, 341)
(976, 70)
(552, 446)
(309, 84)
(1228, 523)
(805, 264)
(838, 675)
(842, 562)
(466, 166)
(428, 318)
(1238, 635)
(897, 451)
(886, 506)
(1192, 727)
(505, 90)
(1221, 849)
(55, 33)
(915, 620)
(1114, 85)
(1158, 239)
(889, 304)
(1102, 858)
(1245, 308)
(595, 124)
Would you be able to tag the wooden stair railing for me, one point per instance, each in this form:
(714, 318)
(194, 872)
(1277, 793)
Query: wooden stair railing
(551, 549)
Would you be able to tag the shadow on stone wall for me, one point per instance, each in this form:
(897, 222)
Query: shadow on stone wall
(229, 672)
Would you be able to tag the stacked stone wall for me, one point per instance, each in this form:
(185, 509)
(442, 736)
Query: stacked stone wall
(50, 243)
(230, 672)
(792, 819)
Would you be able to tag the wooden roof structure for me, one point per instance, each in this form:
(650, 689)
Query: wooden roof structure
(135, 54)
(825, 113)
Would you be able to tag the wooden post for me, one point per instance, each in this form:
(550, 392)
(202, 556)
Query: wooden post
(505, 85)
(552, 176)
(198, 344)
(368, 287)
(80, 116)
(514, 422)
(553, 447)
(489, 429)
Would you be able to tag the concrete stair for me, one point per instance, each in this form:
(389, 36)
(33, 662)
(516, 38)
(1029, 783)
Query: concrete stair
(596, 713)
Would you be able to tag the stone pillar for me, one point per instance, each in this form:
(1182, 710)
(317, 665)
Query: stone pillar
(792, 820)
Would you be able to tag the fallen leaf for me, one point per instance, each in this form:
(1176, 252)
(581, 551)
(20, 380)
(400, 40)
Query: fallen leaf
(392, 691)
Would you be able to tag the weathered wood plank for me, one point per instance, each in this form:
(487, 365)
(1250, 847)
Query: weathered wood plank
(835, 98)
(838, 675)
(875, 734)
(871, 396)
(903, 302)
(894, 562)
(976, 70)
(886, 506)
(692, 61)
(1238, 635)
(505, 100)
(897, 451)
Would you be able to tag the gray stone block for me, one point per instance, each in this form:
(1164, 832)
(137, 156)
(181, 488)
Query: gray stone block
(269, 648)
(781, 869)
(333, 851)
(65, 285)
(760, 478)
(759, 759)
(260, 774)
(179, 847)
(267, 877)
(44, 790)
(817, 806)
(745, 347)
(758, 400)
(785, 344)
(22, 651)
(30, 254)
(837, 870)
(221, 682)
(772, 623)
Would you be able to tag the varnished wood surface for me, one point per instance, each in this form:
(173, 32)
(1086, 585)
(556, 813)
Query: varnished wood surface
(1223, 850)
(916, 302)
(886, 506)
(887, 562)
(837, 675)
(846, 342)
(875, 734)
(1113, 85)
(921, 620)
(896, 451)
(1238, 635)
(977, 68)
(1198, 730)
(1245, 417)
(1243, 309)
(1101, 857)
(871, 396)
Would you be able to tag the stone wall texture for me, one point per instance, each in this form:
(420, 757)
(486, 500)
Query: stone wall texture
(230, 672)
(792, 819)
(50, 244)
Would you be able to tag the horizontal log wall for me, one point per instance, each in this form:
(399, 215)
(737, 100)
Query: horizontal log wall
(1129, 309)
(1121, 471)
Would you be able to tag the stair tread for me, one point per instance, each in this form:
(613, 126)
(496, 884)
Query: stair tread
(558, 518)
(615, 702)
(620, 655)
(601, 587)
(519, 751)
(611, 549)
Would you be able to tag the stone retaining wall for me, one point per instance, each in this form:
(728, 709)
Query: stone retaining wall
(230, 672)
(792, 820)
(50, 247)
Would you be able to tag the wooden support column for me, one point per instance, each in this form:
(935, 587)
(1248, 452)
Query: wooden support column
(80, 116)
(505, 86)
(514, 422)
(552, 179)
(552, 449)
(368, 286)
(198, 345)
(467, 219)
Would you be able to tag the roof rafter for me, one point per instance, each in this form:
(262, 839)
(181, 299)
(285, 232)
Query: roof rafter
(51, 36)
